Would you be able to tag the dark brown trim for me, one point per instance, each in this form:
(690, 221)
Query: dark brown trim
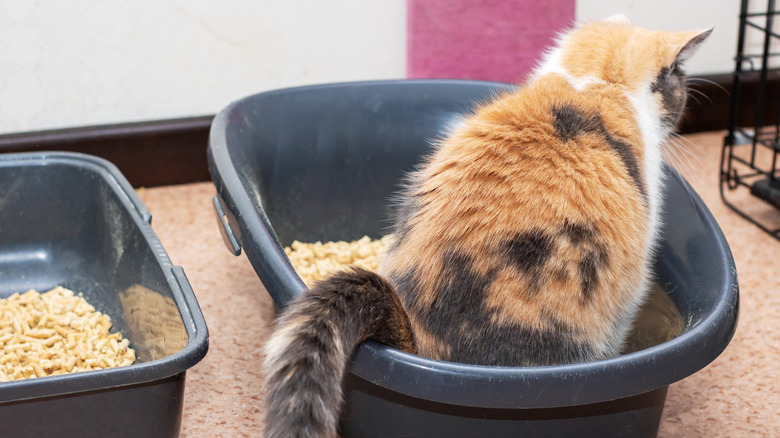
(711, 111)
(708, 112)
(167, 152)
(155, 153)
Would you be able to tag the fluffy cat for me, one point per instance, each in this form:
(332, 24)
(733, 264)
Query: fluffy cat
(524, 239)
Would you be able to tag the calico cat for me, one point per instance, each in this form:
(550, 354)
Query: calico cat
(524, 239)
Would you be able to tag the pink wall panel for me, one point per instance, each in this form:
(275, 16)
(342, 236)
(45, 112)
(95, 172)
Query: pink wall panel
(498, 40)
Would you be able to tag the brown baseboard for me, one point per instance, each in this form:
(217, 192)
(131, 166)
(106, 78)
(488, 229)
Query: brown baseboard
(708, 106)
(156, 153)
(167, 152)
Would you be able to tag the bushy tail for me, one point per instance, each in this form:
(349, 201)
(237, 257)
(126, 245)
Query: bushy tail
(309, 351)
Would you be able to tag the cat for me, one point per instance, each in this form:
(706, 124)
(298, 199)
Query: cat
(524, 239)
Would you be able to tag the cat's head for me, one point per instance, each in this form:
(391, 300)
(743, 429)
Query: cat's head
(648, 64)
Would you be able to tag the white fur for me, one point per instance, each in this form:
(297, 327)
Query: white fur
(619, 19)
(654, 134)
(277, 344)
(551, 64)
(286, 331)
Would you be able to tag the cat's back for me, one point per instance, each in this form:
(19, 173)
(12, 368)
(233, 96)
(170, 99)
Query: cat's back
(517, 225)
(526, 237)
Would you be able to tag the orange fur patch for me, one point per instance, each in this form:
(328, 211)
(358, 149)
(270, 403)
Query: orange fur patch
(621, 54)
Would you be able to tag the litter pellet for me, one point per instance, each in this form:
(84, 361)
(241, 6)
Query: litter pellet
(315, 261)
(56, 332)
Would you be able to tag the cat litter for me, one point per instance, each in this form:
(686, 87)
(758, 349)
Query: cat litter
(315, 261)
(56, 332)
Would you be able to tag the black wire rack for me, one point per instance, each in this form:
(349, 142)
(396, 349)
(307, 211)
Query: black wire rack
(750, 154)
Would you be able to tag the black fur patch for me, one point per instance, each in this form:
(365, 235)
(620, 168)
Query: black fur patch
(595, 256)
(570, 122)
(460, 289)
(514, 345)
(670, 84)
(578, 233)
(406, 286)
(460, 318)
(629, 161)
(530, 251)
(589, 275)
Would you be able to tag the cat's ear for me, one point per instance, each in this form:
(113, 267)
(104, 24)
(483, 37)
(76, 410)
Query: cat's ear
(689, 43)
(618, 19)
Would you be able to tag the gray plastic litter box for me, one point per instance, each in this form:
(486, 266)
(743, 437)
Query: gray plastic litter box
(320, 163)
(72, 220)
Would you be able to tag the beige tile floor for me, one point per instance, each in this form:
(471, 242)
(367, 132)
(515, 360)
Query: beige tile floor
(738, 395)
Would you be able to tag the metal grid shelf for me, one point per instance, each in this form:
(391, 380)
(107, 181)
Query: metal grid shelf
(749, 157)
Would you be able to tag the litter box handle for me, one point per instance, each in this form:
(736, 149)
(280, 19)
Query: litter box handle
(228, 236)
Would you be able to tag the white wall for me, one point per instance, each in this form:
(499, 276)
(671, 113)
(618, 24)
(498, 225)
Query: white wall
(715, 56)
(66, 63)
(83, 62)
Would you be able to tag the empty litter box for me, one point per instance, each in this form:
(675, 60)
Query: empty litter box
(72, 220)
(320, 163)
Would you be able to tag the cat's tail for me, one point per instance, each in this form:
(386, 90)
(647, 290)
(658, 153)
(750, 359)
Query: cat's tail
(311, 346)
